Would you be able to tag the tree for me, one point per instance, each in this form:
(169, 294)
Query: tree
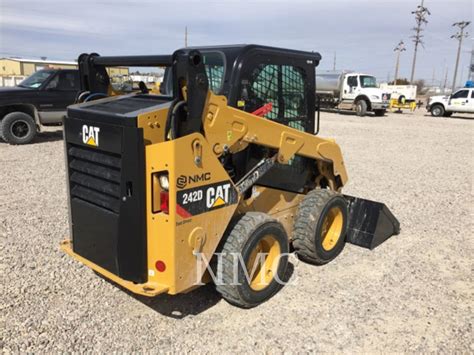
(401, 81)
(420, 86)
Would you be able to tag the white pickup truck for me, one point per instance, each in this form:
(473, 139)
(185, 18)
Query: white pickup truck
(461, 101)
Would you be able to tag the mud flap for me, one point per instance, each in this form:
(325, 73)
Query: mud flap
(370, 223)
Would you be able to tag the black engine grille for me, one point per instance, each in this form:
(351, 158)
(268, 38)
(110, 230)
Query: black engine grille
(94, 177)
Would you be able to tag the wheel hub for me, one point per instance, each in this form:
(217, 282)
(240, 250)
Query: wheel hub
(19, 129)
(263, 263)
(332, 228)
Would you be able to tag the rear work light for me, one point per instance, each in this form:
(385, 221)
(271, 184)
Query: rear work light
(160, 195)
(164, 182)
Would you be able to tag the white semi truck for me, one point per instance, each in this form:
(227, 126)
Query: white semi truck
(350, 91)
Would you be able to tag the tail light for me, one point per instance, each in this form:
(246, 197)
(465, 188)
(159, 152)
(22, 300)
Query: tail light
(160, 192)
(165, 202)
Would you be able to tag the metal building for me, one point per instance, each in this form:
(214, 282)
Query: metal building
(26, 67)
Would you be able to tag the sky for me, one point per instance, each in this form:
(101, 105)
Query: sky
(362, 33)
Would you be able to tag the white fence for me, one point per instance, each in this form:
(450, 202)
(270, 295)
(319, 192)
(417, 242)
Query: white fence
(11, 80)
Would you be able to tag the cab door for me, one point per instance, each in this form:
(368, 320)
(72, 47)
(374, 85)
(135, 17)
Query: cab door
(470, 104)
(459, 101)
(58, 94)
(351, 87)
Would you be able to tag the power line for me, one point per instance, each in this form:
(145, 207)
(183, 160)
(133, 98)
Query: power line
(421, 13)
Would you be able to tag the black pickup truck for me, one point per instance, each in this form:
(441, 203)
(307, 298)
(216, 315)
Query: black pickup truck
(39, 100)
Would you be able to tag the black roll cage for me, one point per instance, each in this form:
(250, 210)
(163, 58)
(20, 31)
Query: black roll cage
(186, 68)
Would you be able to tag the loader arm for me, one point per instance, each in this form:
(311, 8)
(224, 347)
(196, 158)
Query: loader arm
(229, 129)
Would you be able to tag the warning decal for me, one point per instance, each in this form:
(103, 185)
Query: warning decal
(192, 202)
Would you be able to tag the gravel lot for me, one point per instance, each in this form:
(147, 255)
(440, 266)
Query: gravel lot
(413, 293)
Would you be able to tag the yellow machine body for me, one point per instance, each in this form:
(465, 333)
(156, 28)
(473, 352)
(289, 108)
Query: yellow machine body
(225, 158)
(175, 239)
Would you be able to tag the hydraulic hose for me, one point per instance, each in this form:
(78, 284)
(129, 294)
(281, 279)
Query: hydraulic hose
(171, 123)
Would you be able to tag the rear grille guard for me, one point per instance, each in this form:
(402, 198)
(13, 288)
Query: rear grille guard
(94, 177)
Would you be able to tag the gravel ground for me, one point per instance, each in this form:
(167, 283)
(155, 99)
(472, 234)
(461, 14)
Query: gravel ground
(413, 293)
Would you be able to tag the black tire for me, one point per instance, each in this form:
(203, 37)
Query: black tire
(242, 238)
(401, 99)
(308, 234)
(18, 128)
(361, 108)
(437, 110)
(379, 113)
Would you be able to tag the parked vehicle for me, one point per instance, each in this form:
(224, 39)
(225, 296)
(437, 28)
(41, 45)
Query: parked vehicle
(461, 101)
(402, 97)
(351, 91)
(39, 100)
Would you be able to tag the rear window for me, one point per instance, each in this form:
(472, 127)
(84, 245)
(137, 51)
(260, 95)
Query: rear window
(214, 65)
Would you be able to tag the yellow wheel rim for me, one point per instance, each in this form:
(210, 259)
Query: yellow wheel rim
(263, 263)
(332, 228)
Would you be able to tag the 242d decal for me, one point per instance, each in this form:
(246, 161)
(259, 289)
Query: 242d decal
(205, 198)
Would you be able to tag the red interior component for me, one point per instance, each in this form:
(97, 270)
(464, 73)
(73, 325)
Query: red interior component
(262, 111)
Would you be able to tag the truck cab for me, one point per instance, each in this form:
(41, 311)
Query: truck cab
(39, 100)
(358, 92)
(461, 101)
(364, 87)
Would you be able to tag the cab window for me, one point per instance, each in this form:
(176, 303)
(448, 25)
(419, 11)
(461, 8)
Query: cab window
(282, 86)
(214, 66)
(472, 94)
(461, 94)
(352, 81)
(367, 81)
(64, 81)
(37, 79)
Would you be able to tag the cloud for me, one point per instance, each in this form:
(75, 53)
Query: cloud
(363, 33)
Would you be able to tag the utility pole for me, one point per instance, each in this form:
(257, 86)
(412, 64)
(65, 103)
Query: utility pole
(444, 77)
(186, 36)
(445, 80)
(471, 67)
(399, 48)
(334, 62)
(462, 73)
(420, 13)
(459, 36)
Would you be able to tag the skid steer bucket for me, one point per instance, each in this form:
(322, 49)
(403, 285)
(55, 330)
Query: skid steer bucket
(370, 223)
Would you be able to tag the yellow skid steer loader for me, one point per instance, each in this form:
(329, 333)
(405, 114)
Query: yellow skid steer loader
(215, 179)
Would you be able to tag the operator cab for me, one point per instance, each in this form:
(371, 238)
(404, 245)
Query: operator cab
(276, 84)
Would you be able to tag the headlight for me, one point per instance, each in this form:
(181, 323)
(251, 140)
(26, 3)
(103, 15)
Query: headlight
(164, 182)
(375, 97)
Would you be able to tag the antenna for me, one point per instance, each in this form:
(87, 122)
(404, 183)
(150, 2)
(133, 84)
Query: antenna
(186, 36)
